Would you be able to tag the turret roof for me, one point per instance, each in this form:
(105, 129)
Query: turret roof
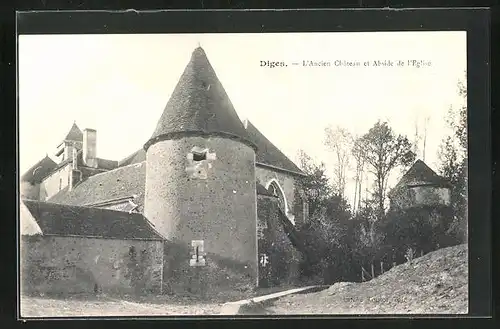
(199, 104)
(74, 134)
(421, 174)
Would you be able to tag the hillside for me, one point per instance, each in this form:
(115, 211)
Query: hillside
(436, 283)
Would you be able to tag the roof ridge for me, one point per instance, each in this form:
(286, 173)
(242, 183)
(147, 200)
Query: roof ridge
(138, 164)
(279, 161)
(75, 206)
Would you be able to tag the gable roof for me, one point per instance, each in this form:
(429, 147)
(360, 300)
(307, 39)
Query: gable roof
(74, 134)
(199, 104)
(65, 220)
(421, 174)
(267, 153)
(120, 183)
(38, 171)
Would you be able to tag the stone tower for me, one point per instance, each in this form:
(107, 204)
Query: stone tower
(200, 171)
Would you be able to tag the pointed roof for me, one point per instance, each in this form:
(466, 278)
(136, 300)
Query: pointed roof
(267, 153)
(421, 174)
(39, 170)
(199, 104)
(74, 134)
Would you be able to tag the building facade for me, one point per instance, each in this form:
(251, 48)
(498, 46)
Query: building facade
(199, 181)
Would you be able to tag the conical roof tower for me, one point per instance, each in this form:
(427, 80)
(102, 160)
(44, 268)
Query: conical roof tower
(199, 105)
(74, 134)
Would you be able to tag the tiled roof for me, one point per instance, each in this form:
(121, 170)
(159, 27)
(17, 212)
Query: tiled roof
(75, 134)
(37, 172)
(421, 174)
(122, 182)
(267, 152)
(198, 103)
(106, 164)
(65, 220)
(136, 157)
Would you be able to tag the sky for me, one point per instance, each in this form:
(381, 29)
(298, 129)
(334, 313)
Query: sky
(120, 84)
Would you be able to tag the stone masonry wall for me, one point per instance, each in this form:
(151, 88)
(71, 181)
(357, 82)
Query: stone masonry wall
(219, 275)
(213, 200)
(51, 264)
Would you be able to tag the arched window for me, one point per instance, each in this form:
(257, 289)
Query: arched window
(275, 190)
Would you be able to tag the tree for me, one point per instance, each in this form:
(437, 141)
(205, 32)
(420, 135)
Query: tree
(359, 158)
(339, 140)
(383, 151)
(316, 185)
(453, 158)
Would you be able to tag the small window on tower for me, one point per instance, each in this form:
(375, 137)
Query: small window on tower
(199, 155)
(60, 184)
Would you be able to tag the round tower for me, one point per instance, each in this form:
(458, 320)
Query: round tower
(200, 172)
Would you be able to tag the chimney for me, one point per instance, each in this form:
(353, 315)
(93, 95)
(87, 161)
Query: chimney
(89, 148)
(75, 158)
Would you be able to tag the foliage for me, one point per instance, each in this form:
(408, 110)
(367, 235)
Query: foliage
(421, 228)
(339, 141)
(316, 185)
(453, 158)
(383, 151)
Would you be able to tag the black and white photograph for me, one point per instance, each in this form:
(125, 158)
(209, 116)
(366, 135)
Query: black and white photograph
(243, 173)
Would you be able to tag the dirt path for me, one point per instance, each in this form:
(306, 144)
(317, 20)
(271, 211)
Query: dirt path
(79, 306)
(103, 306)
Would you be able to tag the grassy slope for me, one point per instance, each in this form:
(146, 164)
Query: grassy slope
(436, 283)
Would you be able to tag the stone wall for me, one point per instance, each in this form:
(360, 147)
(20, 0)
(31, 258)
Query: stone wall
(219, 275)
(213, 200)
(430, 195)
(53, 264)
(420, 196)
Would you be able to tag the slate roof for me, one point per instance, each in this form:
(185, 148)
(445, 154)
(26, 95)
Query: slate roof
(136, 157)
(74, 134)
(119, 183)
(106, 164)
(41, 169)
(198, 103)
(421, 174)
(65, 220)
(267, 153)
